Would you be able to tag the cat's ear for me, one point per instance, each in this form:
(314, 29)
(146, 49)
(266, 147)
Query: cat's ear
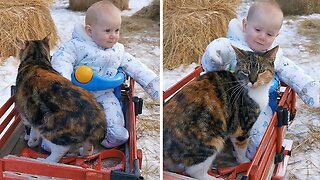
(239, 52)
(20, 43)
(46, 39)
(271, 54)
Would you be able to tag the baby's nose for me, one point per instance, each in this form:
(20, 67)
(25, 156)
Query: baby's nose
(262, 37)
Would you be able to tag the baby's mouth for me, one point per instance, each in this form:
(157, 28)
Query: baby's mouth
(261, 44)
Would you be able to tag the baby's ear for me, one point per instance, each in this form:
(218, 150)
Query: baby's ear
(244, 24)
(271, 54)
(20, 43)
(88, 29)
(239, 52)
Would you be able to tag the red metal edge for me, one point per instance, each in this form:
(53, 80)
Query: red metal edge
(267, 157)
(268, 133)
(182, 82)
(280, 170)
(6, 106)
(7, 120)
(132, 129)
(139, 155)
(174, 176)
(95, 159)
(49, 169)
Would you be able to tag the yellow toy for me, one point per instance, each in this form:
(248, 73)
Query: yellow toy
(83, 74)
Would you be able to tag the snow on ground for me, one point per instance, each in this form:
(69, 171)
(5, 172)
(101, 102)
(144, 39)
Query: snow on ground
(65, 20)
(305, 160)
(135, 6)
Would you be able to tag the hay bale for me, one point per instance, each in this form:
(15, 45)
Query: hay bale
(299, 7)
(152, 11)
(189, 26)
(27, 20)
(121, 4)
(83, 5)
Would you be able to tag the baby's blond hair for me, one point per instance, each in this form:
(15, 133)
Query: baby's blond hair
(95, 10)
(263, 4)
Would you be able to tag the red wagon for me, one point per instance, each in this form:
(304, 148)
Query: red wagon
(272, 156)
(17, 160)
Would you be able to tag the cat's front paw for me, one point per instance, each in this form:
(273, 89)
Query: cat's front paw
(33, 141)
(242, 159)
(26, 137)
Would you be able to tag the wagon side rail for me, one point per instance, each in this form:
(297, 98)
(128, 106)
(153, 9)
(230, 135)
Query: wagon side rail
(9, 121)
(272, 155)
(169, 92)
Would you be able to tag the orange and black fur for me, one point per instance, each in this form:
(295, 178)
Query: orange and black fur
(56, 110)
(212, 108)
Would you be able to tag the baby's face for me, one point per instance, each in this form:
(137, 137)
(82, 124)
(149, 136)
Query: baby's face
(105, 32)
(261, 30)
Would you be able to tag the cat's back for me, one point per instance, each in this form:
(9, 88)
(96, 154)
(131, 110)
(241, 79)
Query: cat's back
(198, 104)
(57, 107)
(208, 89)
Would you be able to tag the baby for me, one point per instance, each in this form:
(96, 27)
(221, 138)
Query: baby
(257, 33)
(96, 45)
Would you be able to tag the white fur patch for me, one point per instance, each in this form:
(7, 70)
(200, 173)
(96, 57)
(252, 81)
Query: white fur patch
(200, 170)
(239, 153)
(260, 95)
(34, 138)
(57, 151)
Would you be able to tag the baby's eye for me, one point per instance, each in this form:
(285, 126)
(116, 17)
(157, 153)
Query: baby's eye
(258, 30)
(117, 30)
(270, 35)
(107, 30)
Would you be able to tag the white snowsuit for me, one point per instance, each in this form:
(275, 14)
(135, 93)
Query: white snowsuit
(287, 71)
(82, 50)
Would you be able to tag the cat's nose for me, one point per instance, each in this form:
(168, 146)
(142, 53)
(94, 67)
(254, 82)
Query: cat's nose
(253, 79)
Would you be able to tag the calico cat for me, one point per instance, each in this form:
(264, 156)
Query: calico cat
(212, 108)
(62, 114)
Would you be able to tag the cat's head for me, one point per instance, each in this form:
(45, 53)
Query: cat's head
(255, 69)
(28, 48)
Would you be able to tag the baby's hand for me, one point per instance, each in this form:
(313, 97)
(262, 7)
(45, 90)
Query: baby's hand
(215, 56)
(153, 89)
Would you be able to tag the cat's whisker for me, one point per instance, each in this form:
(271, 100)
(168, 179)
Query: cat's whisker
(237, 95)
(232, 87)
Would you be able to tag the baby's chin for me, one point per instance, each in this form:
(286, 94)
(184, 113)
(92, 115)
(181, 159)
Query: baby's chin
(258, 48)
(107, 45)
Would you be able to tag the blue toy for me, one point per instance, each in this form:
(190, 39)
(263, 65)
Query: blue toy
(96, 82)
(273, 93)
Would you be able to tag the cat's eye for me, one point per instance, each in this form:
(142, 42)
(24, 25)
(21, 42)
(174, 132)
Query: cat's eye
(246, 73)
